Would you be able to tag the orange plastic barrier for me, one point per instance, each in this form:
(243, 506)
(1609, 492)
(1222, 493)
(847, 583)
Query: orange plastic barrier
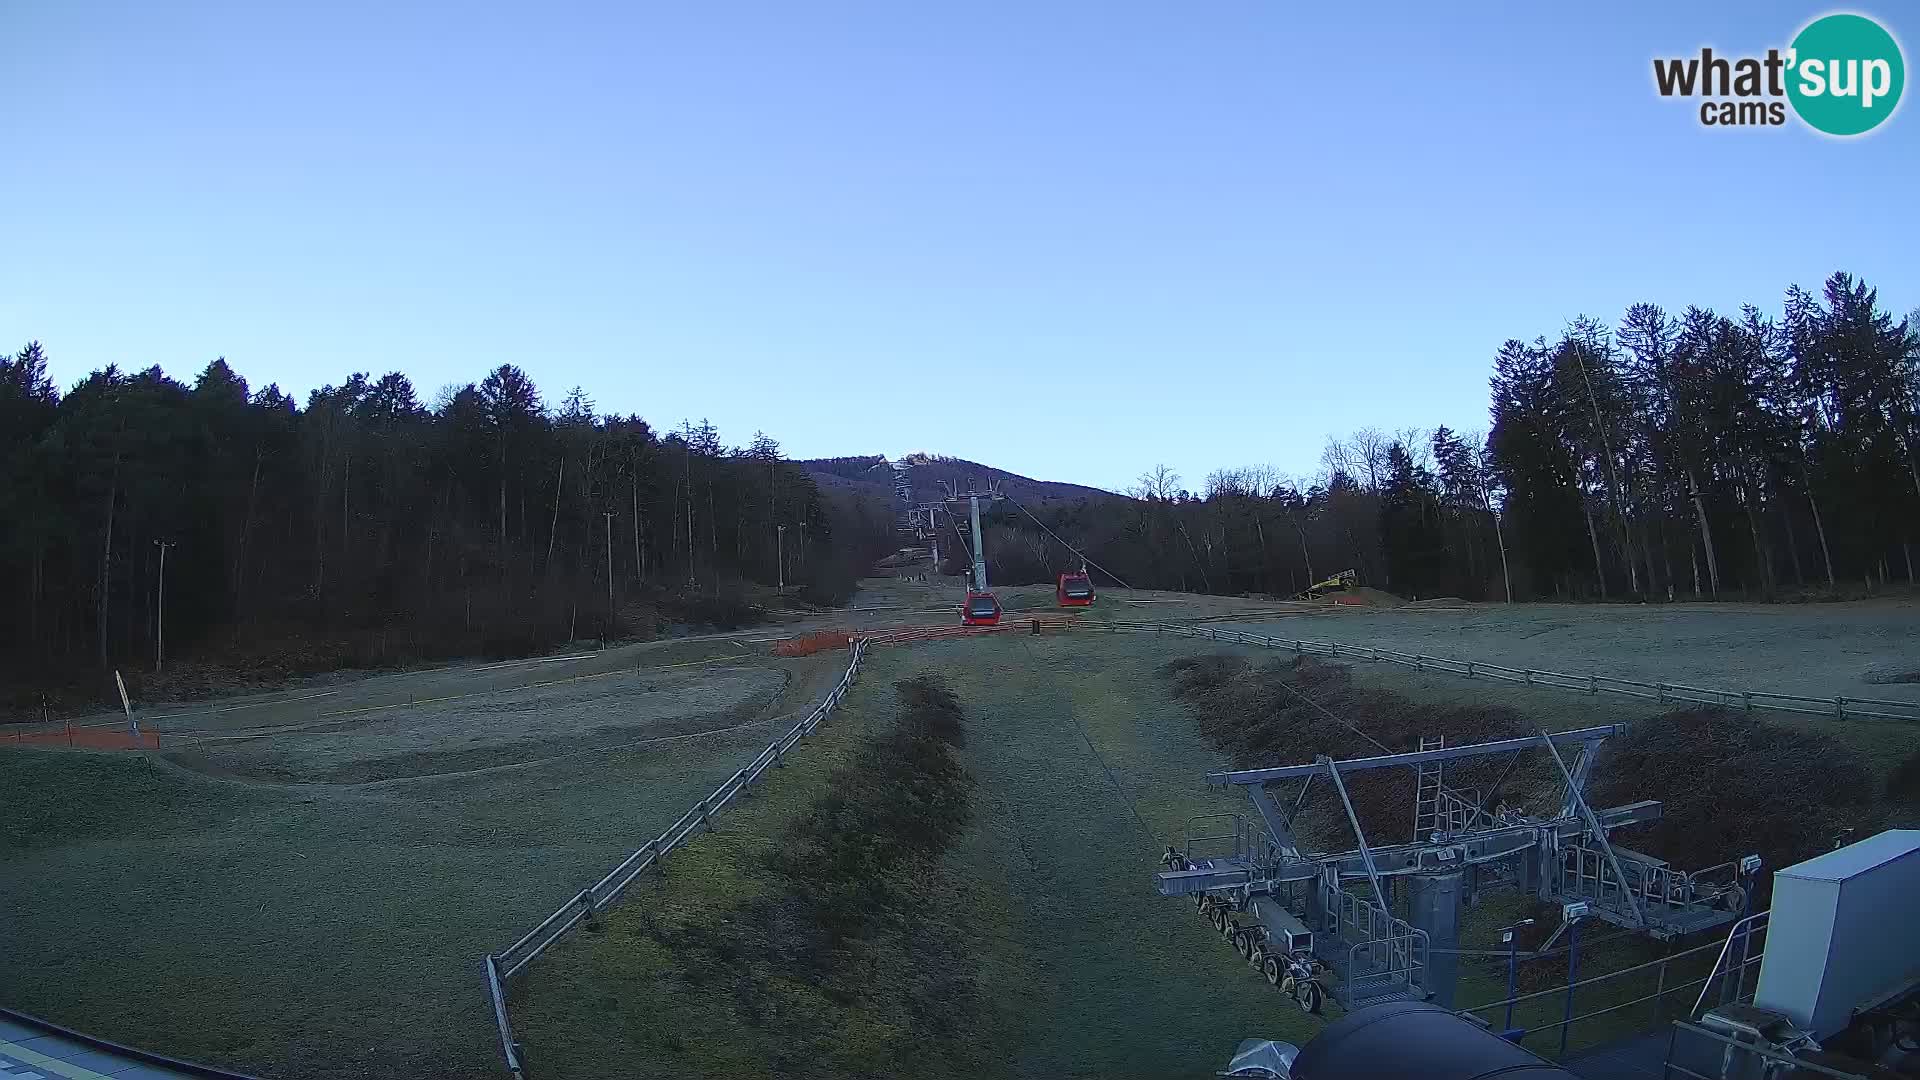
(1019, 624)
(83, 738)
(808, 644)
(823, 640)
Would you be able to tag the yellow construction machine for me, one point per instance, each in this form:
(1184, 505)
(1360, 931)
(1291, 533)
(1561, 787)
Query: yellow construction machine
(1345, 579)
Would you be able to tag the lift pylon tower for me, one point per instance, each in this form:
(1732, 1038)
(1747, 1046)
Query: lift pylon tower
(980, 608)
(972, 497)
(915, 523)
(903, 493)
(1299, 915)
(924, 527)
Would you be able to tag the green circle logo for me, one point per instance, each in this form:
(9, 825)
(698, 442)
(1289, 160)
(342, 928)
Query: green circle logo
(1845, 74)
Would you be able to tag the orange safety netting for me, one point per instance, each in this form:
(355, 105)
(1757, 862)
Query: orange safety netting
(905, 634)
(823, 640)
(808, 644)
(84, 738)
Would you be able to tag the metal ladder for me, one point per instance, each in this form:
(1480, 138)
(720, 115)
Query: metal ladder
(1426, 791)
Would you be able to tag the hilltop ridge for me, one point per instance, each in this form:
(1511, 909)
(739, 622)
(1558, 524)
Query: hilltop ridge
(872, 475)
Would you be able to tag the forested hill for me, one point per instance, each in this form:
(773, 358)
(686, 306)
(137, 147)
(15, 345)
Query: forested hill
(1770, 454)
(365, 526)
(873, 476)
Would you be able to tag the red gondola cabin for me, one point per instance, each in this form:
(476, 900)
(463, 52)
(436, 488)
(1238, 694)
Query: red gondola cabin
(980, 609)
(1074, 590)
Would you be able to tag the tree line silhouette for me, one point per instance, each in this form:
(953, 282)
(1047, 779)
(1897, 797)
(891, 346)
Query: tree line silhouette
(366, 527)
(1666, 456)
(1698, 455)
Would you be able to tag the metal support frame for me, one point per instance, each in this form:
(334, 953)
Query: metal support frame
(1577, 777)
(1459, 833)
(1412, 758)
(1493, 793)
(1301, 799)
(1573, 981)
(972, 497)
(1579, 800)
(1277, 823)
(1360, 838)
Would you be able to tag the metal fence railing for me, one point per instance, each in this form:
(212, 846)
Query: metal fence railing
(1658, 990)
(504, 965)
(1837, 707)
(1695, 1052)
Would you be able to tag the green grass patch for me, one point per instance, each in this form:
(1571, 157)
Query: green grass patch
(1037, 930)
(307, 931)
(55, 797)
(1087, 768)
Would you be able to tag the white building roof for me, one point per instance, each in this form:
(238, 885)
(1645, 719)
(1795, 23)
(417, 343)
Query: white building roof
(1857, 858)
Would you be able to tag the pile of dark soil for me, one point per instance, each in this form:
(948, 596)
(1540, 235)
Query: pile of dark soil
(1734, 785)
(1903, 784)
(1731, 784)
(1291, 711)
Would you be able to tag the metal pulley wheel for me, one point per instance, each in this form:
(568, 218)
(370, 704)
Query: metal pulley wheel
(1308, 995)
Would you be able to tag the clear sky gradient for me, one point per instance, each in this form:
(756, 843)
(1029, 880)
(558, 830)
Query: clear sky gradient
(1068, 239)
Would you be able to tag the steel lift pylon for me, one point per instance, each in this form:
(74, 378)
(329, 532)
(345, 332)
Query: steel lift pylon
(1301, 915)
(915, 523)
(980, 608)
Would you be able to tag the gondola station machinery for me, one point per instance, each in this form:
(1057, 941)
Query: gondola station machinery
(1837, 997)
(1325, 922)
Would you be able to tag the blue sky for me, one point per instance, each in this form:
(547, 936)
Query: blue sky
(1071, 239)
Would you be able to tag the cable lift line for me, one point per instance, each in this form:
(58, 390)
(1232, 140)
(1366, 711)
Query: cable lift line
(955, 526)
(1071, 589)
(1084, 561)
